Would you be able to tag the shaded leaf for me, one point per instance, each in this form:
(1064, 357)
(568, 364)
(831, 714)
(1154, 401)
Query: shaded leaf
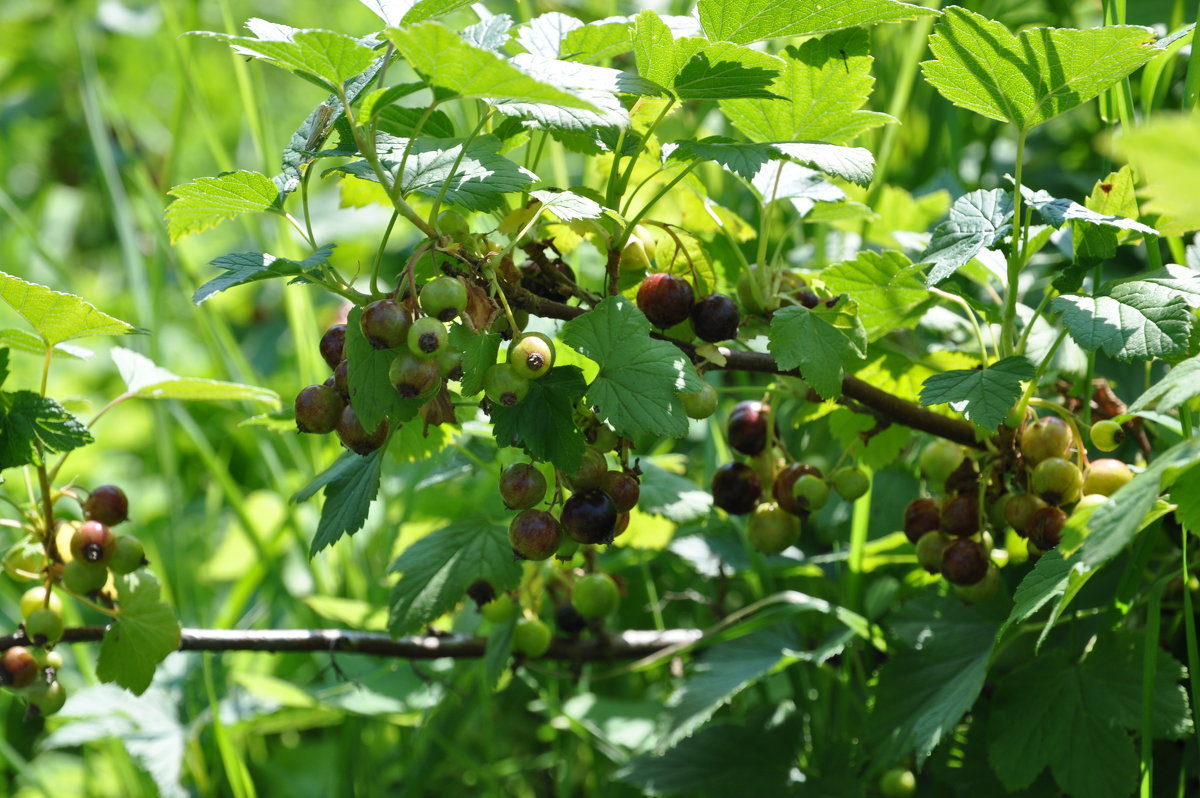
(351, 485)
(543, 423)
(977, 220)
(242, 268)
(982, 395)
(144, 632)
(821, 343)
(32, 425)
(1180, 385)
(1137, 320)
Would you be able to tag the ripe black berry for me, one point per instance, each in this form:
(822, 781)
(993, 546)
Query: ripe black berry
(568, 619)
(1045, 527)
(333, 344)
(352, 435)
(960, 515)
(341, 380)
(522, 486)
(385, 324)
(747, 427)
(107, 504)
(591, 472)
(964, 562)
(715, 318)
(921, 516)
(736, 488)
(318, 408)
(18, 667)
(534, 535)
(590, 517)
(665, 299)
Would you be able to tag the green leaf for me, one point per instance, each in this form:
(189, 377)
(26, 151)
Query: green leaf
(599, 41)
(1046, 582)
(927, 684)
(1137, 320)
(1165, 152)
(1114, 523)
(30, 344)
(822, 88)
(1185, 493)
(350, 484)
(479, 354)
(436, 570)
(56, 316)
(982, 395)
(977, 220)
(1072, 717)
(1180, 385)
(371, 393)
(640, 378)
(144, 632)
(451, 63)
(242, 268)
(543, 423)
(599, 86)
(746, 21)
(855, 164)
(672, 496)
(208, 201)
(750, 161)
(889, 295)
(331, 57)
(1034, 76)
(397, 12)
(1182, 280)
(821, 343)
(567, 206)
(744, 160)
(32, 425)
(1057, 212)
(499, 651)
(145, 380)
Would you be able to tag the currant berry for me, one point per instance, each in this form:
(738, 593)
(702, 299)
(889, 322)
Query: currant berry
(939, 460)
(568, 619)
(341, 380)
(593, 468)
(522, 486)
(503, 385)
(531, 637)
(499, 609)
(426, 337)
(747, 427)
(596, 596)
(352, 435)
(1057, 481)
(700, 404)
(18, 667)
(601, 437)
(1045, 438)
(82, 578)
(1045, 528)
(982, 590)
(921, 516)
(318, 408)
(638, 250)
(1106, 435)
(964, 562)
(385, 324)
(531, 355)
(47, 698)
(454, 224)
(772, 529)
(333, 345)
(929, 551)
(128, 555)
(623, 488)
(93, 542)
(783, 486)
(589, 517)
(1019, 510)
(665, 299)
(35, 599)
(443, 298)
(1105, 477)
(414, 376)
(715, 318)
(107, 504)
(960, 515)
(44, 627)
(751, 293)
(736, 488)
(811, 493)
(851, 483)
(622, 524)
(567, 549)
(534, 535)
(898, 783)
(449, 363)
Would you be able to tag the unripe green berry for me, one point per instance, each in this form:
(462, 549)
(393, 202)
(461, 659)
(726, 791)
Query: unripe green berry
(34, 599)
(503, 385)
(596, 596)
(44, 627)
(128, 556)
(531, 355)
(82, 577)
(700, 404)
(851, 483)
(531, 637)
(1106, 435)
(426, 337)
(499, 609)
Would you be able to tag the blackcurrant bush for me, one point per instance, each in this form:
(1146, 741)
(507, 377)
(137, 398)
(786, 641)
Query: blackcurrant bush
(1057, 481)
(531, 355)
(426, 337)
(638, 251)
(537, 281)
(333, 345)
(1045, 527)
(1105, 477)
(700, 404)
(414, 376)
(736, 488)
(960, 515)
(715, 318)
(18, 667)
(93, 542)
(1106, 435)
(589, 517)
(385, 324)
(352, 435)
(772, 529)
(1019, 509)
(128, 556)
(665, 299)
(810, 492)
(82, 577)
(929, 551)
(44, 627)
(503, 385)
(939, 460)
(499, 609)
(595, 596)
(851, 483)
(534, 535)
(531, 637)
(747, 427)
(783, 486)
(107, 504)
(591, 472)
(568, 619)
(443, 298)
(1045, 438)
(964, 562)
(522, 486)
(318, 408)
(623, 488)
(921, 516)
